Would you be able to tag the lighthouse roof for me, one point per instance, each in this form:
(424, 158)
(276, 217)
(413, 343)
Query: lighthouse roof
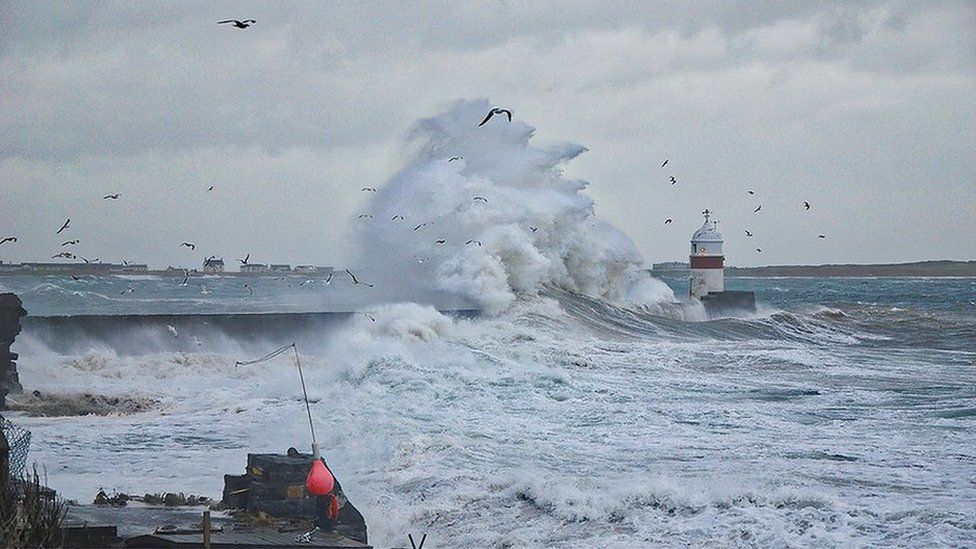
(708, 232)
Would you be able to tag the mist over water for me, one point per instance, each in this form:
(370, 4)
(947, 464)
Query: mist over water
(581, 407)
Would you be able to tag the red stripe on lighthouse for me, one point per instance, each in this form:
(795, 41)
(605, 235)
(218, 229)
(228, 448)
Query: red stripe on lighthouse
(706, 262)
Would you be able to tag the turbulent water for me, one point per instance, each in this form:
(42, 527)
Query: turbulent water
(581, 407)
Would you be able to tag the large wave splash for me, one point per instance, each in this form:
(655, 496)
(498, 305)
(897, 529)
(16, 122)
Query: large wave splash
(483, 213)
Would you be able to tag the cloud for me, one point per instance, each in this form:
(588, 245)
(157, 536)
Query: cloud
(850, 104)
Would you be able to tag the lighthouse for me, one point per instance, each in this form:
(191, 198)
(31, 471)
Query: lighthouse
(707, 260)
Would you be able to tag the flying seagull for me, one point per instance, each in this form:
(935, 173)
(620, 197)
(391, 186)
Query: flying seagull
(66, 255)
(239, 24)
(189, 245)
(495, 111)
(453, 158)
(186, 277)
(665, 163)
(128, 290)
(112, 196)
(369, 316)
(441, 241)
(398, 216)
(249, 289)
(806, 205)
(172, 330)
(210, 189)
(244, 261)
(65, 226)
(752, 191)
(757, 209)
(478, 242)
(673, 180)
(365, 216)
(328, 279)
(70, 242)
(424, 224)
(8, 239)
(748, 233)
(534, 229)
(759, 250)
(480, 198)
(356, 280)
(666, 221)
(821, 236)
(368, 190)
(86, 260)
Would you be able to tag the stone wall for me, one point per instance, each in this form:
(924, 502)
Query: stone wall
(11, 310)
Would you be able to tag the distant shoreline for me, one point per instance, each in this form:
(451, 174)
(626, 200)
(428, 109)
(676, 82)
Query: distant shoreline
(959, 269)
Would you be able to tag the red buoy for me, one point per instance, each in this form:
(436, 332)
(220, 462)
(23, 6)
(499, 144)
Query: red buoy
(320, 480)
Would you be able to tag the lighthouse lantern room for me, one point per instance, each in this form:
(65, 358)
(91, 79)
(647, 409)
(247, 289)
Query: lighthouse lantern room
(707, 261)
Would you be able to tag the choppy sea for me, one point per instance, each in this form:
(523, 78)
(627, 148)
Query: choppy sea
(842, 413)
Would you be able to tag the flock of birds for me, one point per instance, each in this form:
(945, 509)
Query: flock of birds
(749, 234)
(496, 111)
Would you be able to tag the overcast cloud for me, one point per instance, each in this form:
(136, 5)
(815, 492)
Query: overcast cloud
(865, 109)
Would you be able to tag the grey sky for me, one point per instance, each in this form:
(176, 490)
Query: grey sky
(866, 110)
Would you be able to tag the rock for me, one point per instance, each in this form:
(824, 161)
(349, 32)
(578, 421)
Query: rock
(11, 309)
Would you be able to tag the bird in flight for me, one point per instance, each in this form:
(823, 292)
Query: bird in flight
(748, 233)
(665, 163)
(424, 224)
(758, 250)
(244, 261)
(328, 279)
(453, 158)
(189, 245)
(368, 190)
(478, 242)
(8, 239)
(365, 216)
(480, 198)
(369, 316)
(441, 241)
(186, 277)
(398, 216)
(210, 190)
(249, 289)
(172, 330)
(66, 255)
(806, 205)
(757, 209)
(73, 277)
(128, 290)
(821, 236)
(356, 280)
(534, 229)
(673, 180)
(666, 221)
(65, 226)
(86, 260)
(239, 24)
(752, 191)
(70, 242)
(495, 111)
(112, 196)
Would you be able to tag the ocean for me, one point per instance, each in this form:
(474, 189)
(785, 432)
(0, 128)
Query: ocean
(507, 374)
(842, 413)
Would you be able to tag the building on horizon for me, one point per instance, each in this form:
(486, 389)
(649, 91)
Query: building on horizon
(254, 268)
(214, 265)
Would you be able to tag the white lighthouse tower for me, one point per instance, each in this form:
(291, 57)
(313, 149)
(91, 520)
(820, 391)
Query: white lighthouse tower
(707, 261)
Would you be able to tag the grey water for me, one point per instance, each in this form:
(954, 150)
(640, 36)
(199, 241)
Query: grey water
(842, 413)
